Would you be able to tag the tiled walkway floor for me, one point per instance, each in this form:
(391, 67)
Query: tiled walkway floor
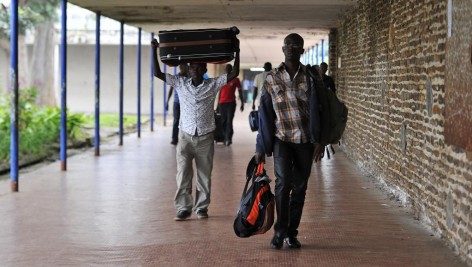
(117, 210)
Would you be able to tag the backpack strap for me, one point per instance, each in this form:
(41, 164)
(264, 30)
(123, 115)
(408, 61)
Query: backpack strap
(315, 119)
(260, 169)
(308, 80)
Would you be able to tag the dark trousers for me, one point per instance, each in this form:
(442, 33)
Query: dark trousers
(175, 125)
(292, 165)
(227, 114)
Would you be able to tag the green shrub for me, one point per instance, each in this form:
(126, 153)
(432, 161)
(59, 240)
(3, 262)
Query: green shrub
(39, 127)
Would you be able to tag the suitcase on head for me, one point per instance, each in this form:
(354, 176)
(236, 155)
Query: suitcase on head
(197, 46)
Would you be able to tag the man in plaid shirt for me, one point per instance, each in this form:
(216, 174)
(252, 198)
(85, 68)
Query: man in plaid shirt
(290, 129)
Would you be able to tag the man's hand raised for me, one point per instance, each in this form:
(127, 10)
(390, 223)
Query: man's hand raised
(154, 44)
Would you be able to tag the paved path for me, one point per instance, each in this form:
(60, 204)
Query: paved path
(117, 210)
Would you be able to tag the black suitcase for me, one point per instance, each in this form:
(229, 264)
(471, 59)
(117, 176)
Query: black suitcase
(197, 46)
(219, 133)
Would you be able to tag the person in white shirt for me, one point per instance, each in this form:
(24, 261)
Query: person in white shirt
(258, 82)
(196, 141)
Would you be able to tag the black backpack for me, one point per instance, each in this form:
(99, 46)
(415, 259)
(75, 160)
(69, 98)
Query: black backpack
(256, 209)
(333, 112)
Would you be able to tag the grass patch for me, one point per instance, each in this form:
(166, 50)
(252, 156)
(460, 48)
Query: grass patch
(113, 120)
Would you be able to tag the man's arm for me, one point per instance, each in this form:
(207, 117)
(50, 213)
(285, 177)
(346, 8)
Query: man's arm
(168, 97)
(266, 132)
(157, 69)
(235, 72)
(315, 117)
(332, 86)
(254, 98)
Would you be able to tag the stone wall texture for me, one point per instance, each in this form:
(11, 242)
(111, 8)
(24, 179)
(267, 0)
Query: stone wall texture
(399, 73)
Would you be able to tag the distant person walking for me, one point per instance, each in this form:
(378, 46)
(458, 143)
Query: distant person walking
(327, 80)
(183, 71)
(227, 105)
(258, 82)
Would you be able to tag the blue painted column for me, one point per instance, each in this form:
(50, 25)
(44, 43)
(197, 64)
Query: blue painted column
(15, 92)
(152, 87)
(63, 150)
(139, 82)
(317, 54)
(97, 84)
(120, 131)
(322, 50)
(165, 93)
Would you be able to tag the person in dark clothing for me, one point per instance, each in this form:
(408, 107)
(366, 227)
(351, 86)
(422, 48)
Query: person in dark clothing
(328, 81)
(183, 71)
(289, 127)
(227, 105)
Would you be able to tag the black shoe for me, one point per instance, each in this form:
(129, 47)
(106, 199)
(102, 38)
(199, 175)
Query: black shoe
(277, 241)
(201, 214)
(173, 143)
(292, 242)
(182, 215)
(228, 143)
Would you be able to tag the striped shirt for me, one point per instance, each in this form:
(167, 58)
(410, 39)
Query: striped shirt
(290, 102)
(196, 102)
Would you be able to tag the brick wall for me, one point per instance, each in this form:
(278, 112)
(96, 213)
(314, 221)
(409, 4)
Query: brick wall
(332, 50)
(393, 59)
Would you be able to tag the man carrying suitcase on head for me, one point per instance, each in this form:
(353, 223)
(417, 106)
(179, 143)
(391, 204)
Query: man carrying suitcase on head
(196, 141)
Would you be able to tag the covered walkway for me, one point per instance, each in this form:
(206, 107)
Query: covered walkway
(117, 210)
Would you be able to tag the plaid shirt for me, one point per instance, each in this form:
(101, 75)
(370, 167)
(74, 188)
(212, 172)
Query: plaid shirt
(290, 102)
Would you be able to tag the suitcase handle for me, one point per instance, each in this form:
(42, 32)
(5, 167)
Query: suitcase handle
(235, 30)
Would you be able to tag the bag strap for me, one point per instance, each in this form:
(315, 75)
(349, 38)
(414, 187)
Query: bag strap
(308, 80)
(257, 171)
(260, 169)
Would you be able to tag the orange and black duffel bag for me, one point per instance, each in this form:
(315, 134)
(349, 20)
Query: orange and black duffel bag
(256, 209)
